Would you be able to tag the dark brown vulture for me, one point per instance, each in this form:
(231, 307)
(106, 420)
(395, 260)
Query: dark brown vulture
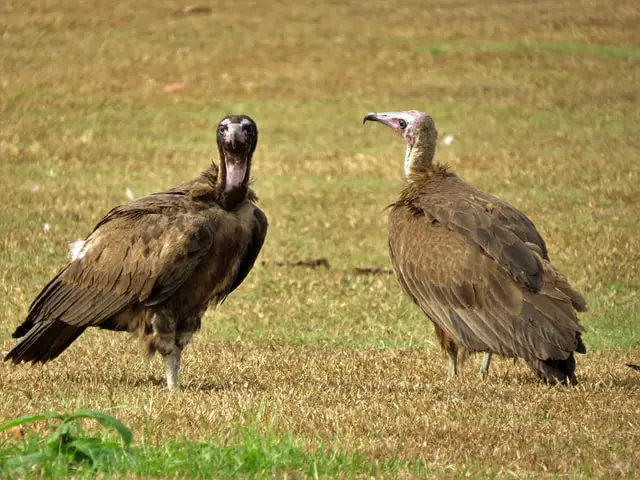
(477, 266)
(154, 265)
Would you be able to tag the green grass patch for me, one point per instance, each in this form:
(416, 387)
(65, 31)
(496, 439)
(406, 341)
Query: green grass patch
(614, 323)
(248, 450)
(66, 448)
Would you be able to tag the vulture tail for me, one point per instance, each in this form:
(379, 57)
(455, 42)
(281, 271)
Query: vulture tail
(44, 341)
(22, 329)
(581, 348)
(555, 371)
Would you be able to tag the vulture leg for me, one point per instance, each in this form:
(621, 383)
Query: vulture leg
(172, 367)
(486, 361)
(453, 364)
(449, 346)
(169, 344)
(173, 355)
(452, 352)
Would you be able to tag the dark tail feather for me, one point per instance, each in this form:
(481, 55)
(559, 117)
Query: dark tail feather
(44, 342)
(554, 372)
(22, 330)
(635, 367)
(581, 348)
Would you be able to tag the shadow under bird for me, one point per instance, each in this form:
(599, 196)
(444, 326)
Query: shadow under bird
(477, 266)
(154, 265)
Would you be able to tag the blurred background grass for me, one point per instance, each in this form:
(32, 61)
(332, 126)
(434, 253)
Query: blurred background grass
(540, 100)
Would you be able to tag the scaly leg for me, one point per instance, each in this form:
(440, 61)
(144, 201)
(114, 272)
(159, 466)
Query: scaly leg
(164, 342)
(449, 346)
(453, 363)
(172, 367)
(486, 361)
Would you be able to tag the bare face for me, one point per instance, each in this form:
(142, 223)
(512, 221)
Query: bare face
(237, 134)
(408, 124)
(405, 123)
(237, 140)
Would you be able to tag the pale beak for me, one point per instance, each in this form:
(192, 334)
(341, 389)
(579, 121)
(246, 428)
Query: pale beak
(389, 119)
(234, 139)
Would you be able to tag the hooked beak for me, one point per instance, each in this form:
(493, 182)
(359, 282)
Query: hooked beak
(235, 139)
(389, 119)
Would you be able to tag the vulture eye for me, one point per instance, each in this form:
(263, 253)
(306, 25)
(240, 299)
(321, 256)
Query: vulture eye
(222, 128)
(403, 124)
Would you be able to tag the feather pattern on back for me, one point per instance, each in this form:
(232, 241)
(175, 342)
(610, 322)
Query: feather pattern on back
(479, 269)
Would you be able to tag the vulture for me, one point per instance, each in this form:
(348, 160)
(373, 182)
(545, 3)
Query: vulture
(477, 266)
(154, 265)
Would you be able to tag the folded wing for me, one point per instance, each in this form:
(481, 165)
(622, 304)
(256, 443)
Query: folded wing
(140, 252)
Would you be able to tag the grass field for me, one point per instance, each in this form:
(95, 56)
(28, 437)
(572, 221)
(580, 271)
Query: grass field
(324, 371)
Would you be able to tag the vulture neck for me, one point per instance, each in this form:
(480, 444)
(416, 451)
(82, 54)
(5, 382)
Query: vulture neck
(418, 158)
(230, 197)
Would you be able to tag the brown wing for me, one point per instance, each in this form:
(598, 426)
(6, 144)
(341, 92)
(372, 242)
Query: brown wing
(473, 298)
(511, 218)
(516, 221)
(499, 229)
(140, 252)
(259, 233)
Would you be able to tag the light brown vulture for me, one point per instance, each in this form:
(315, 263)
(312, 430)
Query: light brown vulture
(154, 265)
(477, 266)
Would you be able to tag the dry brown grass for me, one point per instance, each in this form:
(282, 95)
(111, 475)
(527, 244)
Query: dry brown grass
(542, 100)
(384, 403)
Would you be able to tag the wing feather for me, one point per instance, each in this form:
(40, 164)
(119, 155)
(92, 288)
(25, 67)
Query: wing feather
(468, 293)
(259, 233)
(498, 228)
(143, 251)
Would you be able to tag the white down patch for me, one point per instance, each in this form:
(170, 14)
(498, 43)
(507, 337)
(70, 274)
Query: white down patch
(78, 249)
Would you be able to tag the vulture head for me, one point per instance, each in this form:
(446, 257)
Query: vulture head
(237, 140)
(419, 132)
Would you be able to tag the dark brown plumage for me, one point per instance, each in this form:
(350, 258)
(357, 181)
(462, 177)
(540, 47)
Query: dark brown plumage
(477, 266)
(154, 265)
